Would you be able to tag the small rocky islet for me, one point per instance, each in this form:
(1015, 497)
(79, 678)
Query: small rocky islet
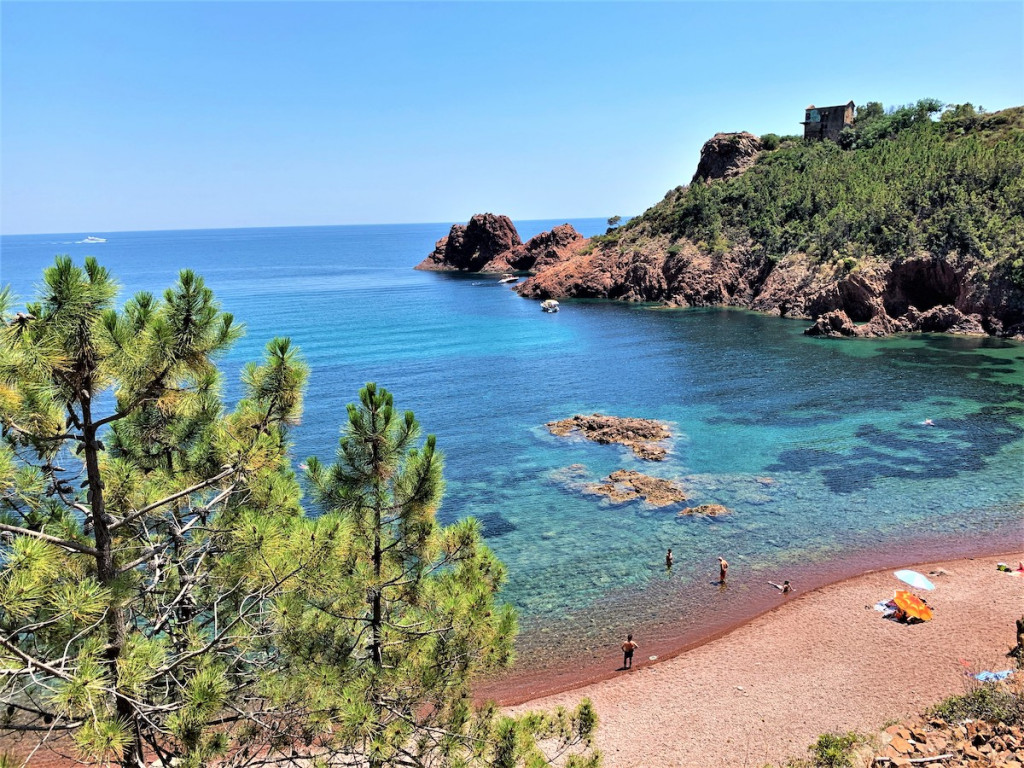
(643, 436)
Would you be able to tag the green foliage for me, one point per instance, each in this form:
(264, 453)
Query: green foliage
(1015, 271)
(833, 750)
(118, 579)
(409, 604)
(874, 125)
(869, 111)
(910, 185)
(770, 142)
(992, 702)
(163, 591)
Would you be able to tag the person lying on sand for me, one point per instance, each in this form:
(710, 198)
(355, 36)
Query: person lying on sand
(784, 587)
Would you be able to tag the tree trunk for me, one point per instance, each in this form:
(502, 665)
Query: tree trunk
(106, 573)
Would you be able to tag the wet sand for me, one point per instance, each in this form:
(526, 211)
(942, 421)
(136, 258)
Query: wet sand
(820, 661)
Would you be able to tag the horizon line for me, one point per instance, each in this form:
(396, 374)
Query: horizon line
(289, 226)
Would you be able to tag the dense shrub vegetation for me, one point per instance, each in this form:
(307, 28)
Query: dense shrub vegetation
(989, 702)
(898, 183)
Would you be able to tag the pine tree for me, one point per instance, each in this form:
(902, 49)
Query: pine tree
(163, 593)
(417, 610)
(143, 526)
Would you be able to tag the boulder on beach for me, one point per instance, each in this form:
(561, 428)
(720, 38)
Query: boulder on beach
(642, 436)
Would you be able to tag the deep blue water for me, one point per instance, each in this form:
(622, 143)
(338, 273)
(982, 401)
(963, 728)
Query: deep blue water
(817, 446)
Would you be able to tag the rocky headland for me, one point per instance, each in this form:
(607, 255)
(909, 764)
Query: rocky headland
(642, 436)
(939, 265)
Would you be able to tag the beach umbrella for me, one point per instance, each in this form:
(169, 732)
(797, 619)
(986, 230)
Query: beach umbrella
(912, 605)
(914, 579)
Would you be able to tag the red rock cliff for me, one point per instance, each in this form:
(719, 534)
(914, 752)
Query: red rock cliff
(490, 243)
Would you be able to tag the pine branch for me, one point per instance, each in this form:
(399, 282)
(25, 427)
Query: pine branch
(173, 497)
(32, 662)
(71, 545)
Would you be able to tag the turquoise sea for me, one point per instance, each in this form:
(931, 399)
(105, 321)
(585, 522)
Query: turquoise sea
(818, 446)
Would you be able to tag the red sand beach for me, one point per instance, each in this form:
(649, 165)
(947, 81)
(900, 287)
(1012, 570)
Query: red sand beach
(821, 661)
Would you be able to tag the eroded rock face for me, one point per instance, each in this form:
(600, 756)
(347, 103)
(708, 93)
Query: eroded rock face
(470, 247)
(835, 323)
(625, 485)
(490, 243)
(725, 155)
(545, 249)
(642, 436)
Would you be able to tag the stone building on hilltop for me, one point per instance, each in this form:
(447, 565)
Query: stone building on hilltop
(827, 122)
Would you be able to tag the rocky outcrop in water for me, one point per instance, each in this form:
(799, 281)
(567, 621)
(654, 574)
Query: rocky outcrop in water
(725, 155)
(625, 485)
(642, 436)
(707, 510)
(491, 243)
(471, 247)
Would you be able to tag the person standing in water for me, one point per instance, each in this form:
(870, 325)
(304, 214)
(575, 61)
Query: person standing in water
(723, 569)
(668, 558)
(627, 652)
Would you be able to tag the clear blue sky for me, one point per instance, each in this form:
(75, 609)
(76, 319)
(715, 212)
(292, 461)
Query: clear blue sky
(121, 116)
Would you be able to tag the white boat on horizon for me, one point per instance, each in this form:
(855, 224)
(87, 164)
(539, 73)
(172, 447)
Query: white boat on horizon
(92, 239)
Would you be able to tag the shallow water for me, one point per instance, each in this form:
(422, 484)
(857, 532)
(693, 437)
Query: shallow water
(818, 446)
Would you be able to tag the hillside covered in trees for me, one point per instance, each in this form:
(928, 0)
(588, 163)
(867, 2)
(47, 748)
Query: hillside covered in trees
(914, 220)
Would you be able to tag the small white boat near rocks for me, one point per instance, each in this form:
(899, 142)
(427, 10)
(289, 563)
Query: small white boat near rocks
(549, 305)
(508, 279)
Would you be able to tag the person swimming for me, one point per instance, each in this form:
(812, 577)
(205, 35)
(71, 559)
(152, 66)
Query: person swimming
(785, 587)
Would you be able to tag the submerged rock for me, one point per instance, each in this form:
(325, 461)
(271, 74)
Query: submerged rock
(640, 435)
(627, 485)
(708, 510)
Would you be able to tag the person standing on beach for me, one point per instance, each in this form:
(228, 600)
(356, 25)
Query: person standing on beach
(723, 569)
(668, 558)
(627, 652)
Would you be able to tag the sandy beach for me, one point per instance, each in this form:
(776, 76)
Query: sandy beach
(821, 661)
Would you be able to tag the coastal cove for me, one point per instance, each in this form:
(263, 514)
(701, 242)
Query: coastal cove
(818, 447)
